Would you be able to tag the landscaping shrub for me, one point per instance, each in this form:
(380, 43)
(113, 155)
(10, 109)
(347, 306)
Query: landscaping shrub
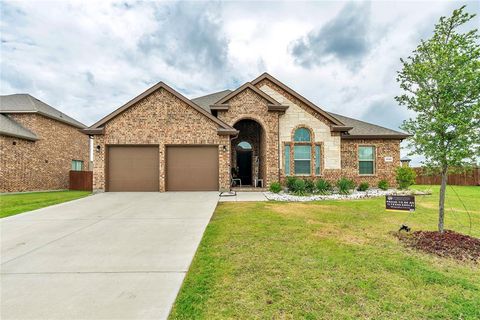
(363, 186)
(405, 177)
(345, 185)
(323, 186)
(383, 184)
(309, 186)
(299, 187)
(275, 187)
(290, 183)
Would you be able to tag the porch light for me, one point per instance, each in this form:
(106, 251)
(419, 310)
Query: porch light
(98, 148)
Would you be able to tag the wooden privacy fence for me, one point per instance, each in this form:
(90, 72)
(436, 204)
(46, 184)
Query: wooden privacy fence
(467, 178)
(81, 180)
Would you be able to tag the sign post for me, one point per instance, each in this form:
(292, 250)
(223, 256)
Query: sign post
(400, 203)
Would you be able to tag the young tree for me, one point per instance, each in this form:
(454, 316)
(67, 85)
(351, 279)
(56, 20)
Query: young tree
(441, 83)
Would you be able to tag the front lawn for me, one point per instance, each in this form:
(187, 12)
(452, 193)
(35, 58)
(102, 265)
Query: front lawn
(330, 260)
(11, 204)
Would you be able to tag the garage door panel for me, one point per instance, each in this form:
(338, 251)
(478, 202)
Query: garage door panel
(192, 168)
(133, 168)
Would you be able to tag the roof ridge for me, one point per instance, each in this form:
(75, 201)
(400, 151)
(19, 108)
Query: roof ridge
(211, 94)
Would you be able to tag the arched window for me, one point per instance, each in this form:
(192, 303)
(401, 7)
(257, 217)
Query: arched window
(244, 145)
(302, 135)
(306, 156)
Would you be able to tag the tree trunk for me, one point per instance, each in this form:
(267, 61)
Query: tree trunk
(441, 201)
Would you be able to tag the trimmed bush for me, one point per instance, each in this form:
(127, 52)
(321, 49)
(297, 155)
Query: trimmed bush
(405, 177)
(345, 185)
(323, 186)
(275, 187)
(383, 184)
(309, 186)
(363, 186)
(290, 182)
(299, 187)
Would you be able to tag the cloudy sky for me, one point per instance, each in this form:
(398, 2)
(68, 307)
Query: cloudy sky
(88, 58)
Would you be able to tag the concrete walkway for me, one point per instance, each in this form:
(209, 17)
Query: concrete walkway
(244, 196)
(107, 256)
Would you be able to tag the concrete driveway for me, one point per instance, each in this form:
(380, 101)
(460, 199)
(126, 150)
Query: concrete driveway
(107, 256)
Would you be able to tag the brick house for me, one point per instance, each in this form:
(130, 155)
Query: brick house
(259, 133)
(39, 145)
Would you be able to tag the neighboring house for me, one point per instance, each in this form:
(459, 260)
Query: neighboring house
(39, 145)
(263, 131)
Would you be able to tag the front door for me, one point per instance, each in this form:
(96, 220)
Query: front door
(244, 163)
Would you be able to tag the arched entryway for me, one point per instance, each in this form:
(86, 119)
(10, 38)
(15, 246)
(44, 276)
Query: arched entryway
(248, 153)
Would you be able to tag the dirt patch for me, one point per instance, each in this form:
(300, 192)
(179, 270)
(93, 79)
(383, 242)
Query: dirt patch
(449, 244)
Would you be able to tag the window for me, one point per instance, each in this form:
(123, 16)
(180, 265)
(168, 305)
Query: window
(302, 135)
(77, 165)
(245, 145)
(317, 160)
(287, 160)
(302, 155)
(366, 160)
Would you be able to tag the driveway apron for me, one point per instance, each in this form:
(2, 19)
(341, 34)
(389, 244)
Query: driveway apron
(107, 256)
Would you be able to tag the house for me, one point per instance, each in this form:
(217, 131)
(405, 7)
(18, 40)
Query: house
(39, 145)
(261, 132)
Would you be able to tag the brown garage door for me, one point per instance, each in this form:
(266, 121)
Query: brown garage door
(133, 168)
(192, 168)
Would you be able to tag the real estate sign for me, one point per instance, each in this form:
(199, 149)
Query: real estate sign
(403, 203)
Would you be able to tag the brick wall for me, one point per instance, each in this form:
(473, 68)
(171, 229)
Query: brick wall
(45, 163)
(161, 119)
(249, 105)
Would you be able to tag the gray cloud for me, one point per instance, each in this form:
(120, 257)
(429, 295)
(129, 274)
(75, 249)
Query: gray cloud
(188, 37)
(345, 38)
(386, 113)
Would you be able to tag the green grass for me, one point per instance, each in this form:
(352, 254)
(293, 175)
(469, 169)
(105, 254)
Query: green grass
(329, 260)
(11, 204)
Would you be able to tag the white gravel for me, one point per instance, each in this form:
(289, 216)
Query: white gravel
(370, 193)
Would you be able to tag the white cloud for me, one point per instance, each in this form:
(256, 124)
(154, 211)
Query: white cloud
(88, 58)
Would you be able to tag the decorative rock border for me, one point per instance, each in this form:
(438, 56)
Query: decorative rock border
(370, 193)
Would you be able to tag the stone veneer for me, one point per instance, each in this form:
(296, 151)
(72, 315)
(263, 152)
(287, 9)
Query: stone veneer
(43, 164)
(161, 119)
(339, 156)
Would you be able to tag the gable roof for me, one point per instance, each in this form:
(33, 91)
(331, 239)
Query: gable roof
(12, 128)
(361, 129)
(246, 86)
(224, 128)
(298, 96)
(209, 99)
(25, 103)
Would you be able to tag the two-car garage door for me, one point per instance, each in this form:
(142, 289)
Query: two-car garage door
(188, 168)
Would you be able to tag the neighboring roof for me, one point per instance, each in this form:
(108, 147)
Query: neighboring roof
(206, 101)
(25, 103)
(405, 159)
(298, 96)
(224, 128)
(12, 128)
(362, 129)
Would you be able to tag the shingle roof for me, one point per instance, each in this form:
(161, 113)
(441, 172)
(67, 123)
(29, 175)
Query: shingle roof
(25, 103)
(10, 127)
(365, 129)
(209, 99)
(360, 128)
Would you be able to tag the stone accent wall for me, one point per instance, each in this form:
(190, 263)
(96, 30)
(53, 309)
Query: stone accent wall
(249, 105)
(383, 170)
(298, 114)
(43, 164)
(161, 119)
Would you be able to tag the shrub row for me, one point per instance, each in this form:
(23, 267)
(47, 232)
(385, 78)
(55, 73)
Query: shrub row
(300, 186)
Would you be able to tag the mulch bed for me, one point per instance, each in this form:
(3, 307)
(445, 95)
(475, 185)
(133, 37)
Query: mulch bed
(449, 244)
